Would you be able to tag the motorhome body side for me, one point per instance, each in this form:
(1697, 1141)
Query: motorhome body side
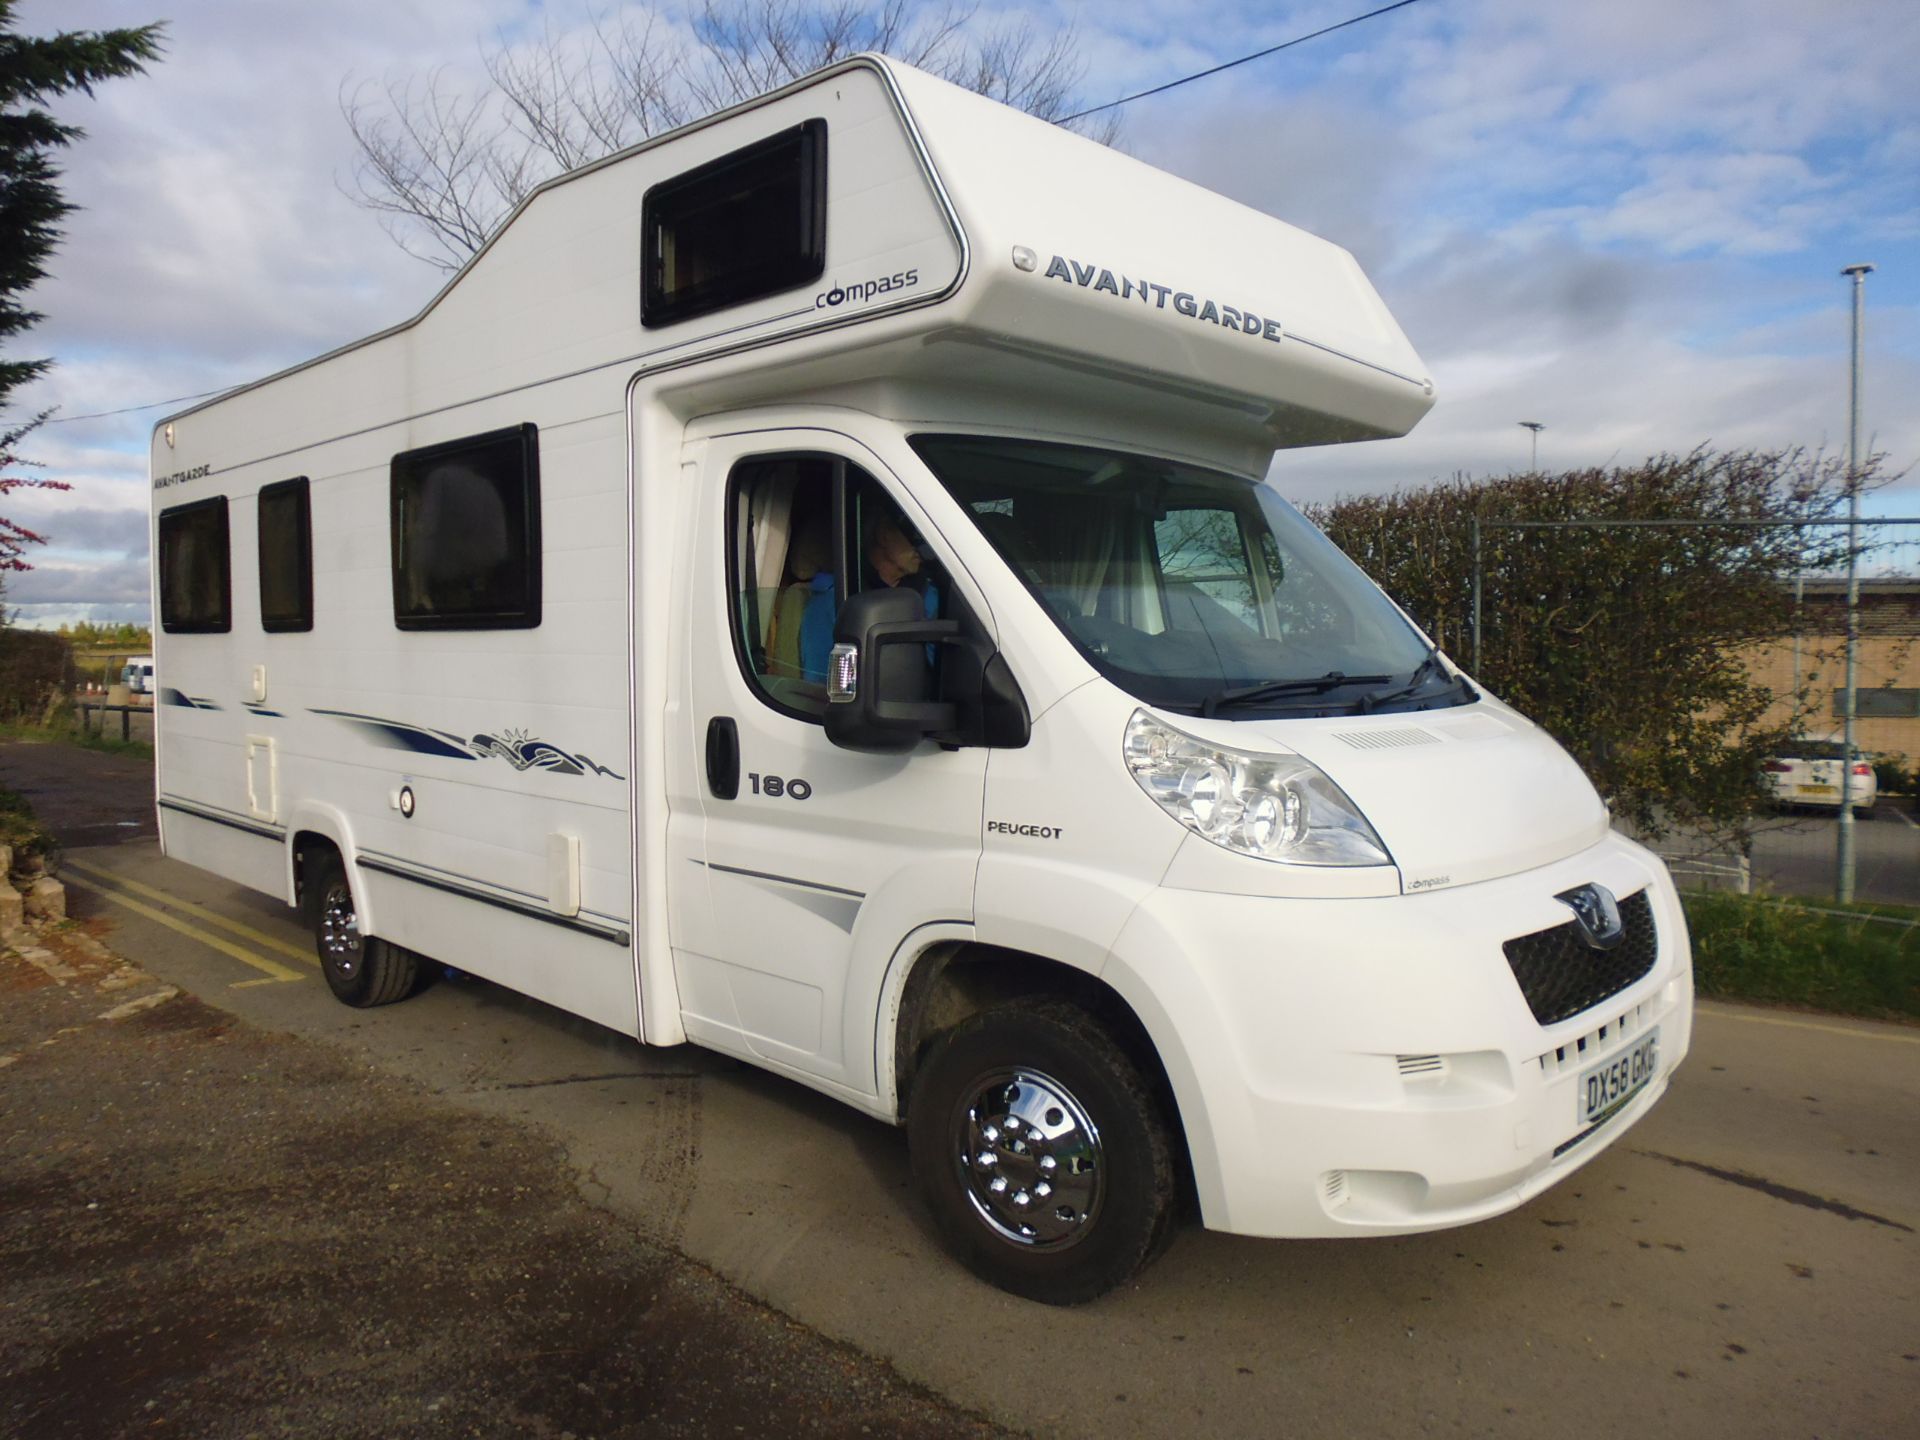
(602, 767)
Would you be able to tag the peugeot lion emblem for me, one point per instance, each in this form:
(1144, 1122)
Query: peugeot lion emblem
(1598, 913)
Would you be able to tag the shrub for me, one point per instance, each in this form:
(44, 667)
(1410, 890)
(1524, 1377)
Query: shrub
(1630, 645)
(35, 670)
(1757, 948)
(1891, 775)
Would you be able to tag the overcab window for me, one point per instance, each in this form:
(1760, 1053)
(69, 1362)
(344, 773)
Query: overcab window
(196, 591)
(286, 557)
(466, 533)
(750, 224)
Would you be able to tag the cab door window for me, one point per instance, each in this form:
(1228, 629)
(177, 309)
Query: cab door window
(804, 532)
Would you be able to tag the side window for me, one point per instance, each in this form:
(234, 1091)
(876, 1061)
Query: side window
(749, 224)
(196, 590)
(286, 557)
(805, 531)
(466, 533)
(1203, 549)
(786, 567)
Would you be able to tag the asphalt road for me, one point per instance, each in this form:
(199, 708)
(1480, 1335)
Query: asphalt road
(217, 1230)
(1741, 1264)
(1796, 854)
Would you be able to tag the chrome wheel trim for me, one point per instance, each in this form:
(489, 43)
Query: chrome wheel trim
(1029, 1157)
(340, 944)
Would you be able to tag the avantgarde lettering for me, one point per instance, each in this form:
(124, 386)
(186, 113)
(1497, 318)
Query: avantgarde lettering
(1185, 302)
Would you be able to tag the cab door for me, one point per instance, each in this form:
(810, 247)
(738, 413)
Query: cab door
(809, 864)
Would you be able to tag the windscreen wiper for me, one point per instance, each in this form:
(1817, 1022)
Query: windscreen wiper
(1419, 677)
(1274, 689)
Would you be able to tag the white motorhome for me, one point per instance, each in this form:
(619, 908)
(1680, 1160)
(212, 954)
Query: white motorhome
(808, 588)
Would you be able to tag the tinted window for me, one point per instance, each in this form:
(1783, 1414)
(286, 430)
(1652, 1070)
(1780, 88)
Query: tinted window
(286, 557)
(749, 224)
(196, 593)
(466, 533)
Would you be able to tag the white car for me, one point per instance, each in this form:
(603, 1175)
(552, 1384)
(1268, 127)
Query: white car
(1808, 773)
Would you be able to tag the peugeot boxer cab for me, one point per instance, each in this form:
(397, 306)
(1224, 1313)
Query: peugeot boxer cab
(811, 588)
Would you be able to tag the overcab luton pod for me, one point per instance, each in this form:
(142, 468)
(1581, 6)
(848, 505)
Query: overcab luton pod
(809, 588)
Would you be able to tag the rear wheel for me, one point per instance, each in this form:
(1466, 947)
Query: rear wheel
(361, 970)
(1042, 1152)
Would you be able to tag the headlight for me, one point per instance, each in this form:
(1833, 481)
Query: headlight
(1274, 807)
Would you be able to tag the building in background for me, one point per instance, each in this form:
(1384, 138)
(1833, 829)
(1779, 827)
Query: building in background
(1887, 712)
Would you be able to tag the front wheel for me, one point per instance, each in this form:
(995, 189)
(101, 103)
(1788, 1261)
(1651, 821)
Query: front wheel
(361, 970)
(1042, 1152)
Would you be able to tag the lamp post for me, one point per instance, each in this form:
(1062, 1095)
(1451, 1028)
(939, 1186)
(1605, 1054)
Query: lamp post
(1536, 427)
(1843, 879)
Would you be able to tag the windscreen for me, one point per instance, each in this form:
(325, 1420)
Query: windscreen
(1188, 588)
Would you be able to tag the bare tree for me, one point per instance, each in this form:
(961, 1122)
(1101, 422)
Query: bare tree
(443, 165)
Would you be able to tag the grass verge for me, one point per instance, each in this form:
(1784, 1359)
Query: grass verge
(71, 733)
(1780, 953)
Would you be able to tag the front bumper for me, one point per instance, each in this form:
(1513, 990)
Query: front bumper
(1370, 1066)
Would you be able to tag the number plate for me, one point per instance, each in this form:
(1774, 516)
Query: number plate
(1818, 789)
(1607, 1086)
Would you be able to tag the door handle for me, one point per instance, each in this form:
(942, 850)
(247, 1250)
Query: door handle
(723, 757)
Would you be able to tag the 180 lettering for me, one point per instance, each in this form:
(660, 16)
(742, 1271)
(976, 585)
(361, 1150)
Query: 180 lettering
(773, 787)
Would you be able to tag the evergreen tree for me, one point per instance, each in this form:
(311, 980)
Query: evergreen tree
(33, 70)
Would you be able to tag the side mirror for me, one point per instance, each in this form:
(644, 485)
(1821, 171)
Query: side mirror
(880, 678)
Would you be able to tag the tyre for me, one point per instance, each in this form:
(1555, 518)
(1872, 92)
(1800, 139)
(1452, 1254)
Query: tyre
(361, 970)
(1042, 1152)
(1863, 812)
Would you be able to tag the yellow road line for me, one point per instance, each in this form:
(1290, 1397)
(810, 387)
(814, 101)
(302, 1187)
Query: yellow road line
(246, 932)
(1812, 1025)
(272, 969)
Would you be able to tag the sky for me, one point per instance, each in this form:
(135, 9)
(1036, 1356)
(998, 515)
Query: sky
(1624, 220)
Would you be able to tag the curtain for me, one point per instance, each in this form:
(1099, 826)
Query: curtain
(769, 516)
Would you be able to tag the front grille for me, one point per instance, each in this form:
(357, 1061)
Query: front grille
(1561, 975)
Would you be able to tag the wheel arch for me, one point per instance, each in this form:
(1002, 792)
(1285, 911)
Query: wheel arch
(310, 830)
(952, 976)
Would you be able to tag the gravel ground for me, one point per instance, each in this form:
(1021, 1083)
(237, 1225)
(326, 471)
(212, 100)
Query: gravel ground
(210, 1230)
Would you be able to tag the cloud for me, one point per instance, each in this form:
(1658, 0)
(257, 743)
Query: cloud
(211, 227)
(1737, 204)
(53, 616)
(86, 528)
(1315, 162)
(1624, 220)
(117, 582)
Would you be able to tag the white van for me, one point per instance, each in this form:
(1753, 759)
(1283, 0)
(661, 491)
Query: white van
(137, 674)
(808, 588)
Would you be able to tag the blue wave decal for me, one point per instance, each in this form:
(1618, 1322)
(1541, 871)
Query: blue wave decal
(262, 710)
(516, 747)
(171, 696)
(397, 735)
(523, 753)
